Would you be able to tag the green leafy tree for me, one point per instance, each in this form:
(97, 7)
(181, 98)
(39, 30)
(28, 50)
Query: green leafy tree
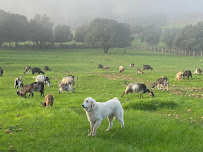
(80, 33)
(63, 34)
(107, 33)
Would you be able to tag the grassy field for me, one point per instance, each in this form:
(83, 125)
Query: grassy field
(169, 122)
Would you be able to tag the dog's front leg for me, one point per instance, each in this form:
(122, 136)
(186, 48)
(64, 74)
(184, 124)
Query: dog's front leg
(91, 128)
(97, 124)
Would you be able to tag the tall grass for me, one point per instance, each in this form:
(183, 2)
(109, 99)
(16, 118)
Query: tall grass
(170, 122)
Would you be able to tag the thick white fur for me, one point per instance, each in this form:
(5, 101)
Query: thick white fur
(97, 111)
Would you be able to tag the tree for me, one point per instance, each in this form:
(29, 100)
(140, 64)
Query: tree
(63, 34)
(80, 33)
(41, 30)
(107, 33)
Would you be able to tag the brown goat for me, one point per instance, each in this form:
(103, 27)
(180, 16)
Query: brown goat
(48, 101)
(139, 71)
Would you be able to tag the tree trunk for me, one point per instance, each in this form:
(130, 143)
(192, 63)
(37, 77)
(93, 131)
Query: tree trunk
(106, 50)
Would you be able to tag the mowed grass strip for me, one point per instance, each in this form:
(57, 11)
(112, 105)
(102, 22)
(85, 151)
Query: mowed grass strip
(171, 121)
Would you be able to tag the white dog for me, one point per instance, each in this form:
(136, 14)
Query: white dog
(97, 111)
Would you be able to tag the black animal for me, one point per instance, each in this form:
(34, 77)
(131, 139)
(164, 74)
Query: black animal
(46, 68)
(187, 73)
(147, 67)
(37, 70)
(1, 71)
(100, 66)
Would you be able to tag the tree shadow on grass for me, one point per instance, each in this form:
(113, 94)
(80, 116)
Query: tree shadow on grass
(150, 106)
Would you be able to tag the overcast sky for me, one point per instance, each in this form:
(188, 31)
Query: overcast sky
(64, 11)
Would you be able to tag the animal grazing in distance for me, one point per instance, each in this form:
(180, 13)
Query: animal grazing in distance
(43, 79)
(106, 67)
(37, 70)
(147, 67)
(100, 66)
(188, 74)
(27, 68)
(121, 69)
(198, 71)
(132, 65)
(1, 71)
(139, 71)
(18, 82)
(46, 68)
(179, 76)
(161, 83)
(97, 111)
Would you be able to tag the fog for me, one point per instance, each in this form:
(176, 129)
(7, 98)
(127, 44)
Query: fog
(76, 12)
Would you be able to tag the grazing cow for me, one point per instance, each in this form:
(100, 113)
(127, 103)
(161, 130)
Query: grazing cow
(106, 67)
(65, 87)
(43, 79)
(36, 86)
(139, 71)
(179, 76)
(121, 69)
(1, 71)
(48, 101)
(161, 83)
(147, 67)
(18, 82)
(137, 87)
(100, 66)
(37, 70)
(132, 65)
(187, 73)
(46, 68)
(198, 71)
(27, 68)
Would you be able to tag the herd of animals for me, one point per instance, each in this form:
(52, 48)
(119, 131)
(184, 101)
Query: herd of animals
(95, 111)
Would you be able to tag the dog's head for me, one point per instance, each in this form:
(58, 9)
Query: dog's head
(89, 104)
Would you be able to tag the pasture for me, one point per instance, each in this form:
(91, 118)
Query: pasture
(169, 122)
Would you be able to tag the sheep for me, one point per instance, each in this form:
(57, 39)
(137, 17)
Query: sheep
(106, 67)
(121, 69)
(100, 66)
(46, 68)
(139, 71)
(42, 78)
(18, 82)
(179, 76)
(36, 86)
(198, 71)
(37, 70)
(48, 101)
(161, 83)
(137, 87)
(27, 68)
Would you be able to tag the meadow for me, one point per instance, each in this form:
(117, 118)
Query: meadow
(169, 122)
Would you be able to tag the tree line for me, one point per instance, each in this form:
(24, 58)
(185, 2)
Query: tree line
(40, 32)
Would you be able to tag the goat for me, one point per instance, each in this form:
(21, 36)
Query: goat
(132, 65)
(37, 70)
(46, 68)
(106, 67)
(1, 71)
(65, 87)
(179, 76)
(147, 67)
(100, 66)
(18, 82)
(198, 71)
(137, 87)
(139, 71)
(27, 68)
(43, 79)
(161, 83)
(187, 73)
(48, 101)
(121, 69)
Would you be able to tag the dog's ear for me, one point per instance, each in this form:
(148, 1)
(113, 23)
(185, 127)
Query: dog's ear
(93, 104)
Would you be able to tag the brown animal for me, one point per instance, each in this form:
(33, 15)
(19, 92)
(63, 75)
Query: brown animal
(179, 76)
(106, 67)
(36, 86)
(161, 83)
(48, 101)
(27, 68)
(121, 69)
(139, 71)
(137, 87)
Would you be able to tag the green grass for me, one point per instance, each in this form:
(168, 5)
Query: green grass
(159, 124)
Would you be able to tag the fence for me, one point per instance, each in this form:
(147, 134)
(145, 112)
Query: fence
(170, 51)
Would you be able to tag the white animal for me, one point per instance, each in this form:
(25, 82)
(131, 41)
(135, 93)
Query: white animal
(70, 79)
(18, 82)
(43, 79)
(97, 111)
(65, 87)
(121, 69)
(198, 71)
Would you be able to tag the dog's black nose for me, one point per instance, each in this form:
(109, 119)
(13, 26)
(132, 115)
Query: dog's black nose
(82, 105)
